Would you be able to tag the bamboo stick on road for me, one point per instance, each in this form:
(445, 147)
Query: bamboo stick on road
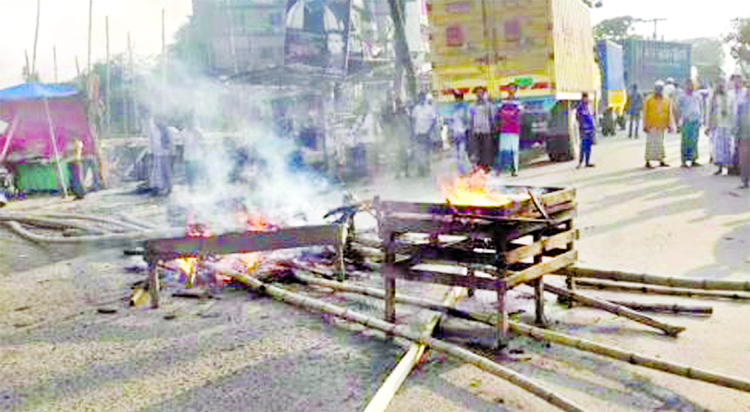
(555, 337)
(660, 290)
(665, 307)
(384, 395)
(706, 284)
(616, 309)
(406, 333)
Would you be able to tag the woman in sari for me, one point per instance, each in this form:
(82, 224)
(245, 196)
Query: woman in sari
(720, 126)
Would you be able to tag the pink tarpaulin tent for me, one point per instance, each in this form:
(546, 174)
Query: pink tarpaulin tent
(42, 121)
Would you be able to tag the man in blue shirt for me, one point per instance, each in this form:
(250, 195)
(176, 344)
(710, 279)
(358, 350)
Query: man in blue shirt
(586, 127)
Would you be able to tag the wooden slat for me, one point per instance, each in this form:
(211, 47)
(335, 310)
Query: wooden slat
(285, 238)
(449, 279)
(557, 241)
(533, 272)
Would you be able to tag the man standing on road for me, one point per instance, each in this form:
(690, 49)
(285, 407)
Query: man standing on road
(743, 142)
(737, 96)
(586, 126)
(459, 131)
(424, 118)
(509, 132)
(633, 108)
(720, 127)
(657, 118)
(482, 145)
(690, 116)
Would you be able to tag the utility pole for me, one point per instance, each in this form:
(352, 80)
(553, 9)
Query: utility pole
(655, 21)
(402, 49)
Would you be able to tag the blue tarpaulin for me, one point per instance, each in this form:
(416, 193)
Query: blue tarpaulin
(35, 91)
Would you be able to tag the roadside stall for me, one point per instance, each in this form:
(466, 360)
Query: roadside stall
(44, 120)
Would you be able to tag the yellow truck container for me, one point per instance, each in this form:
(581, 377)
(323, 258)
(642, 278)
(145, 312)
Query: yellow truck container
(546, 46)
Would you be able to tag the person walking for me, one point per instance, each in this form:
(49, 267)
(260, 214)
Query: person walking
(482, 144)
(424, 119)
(720, 128)
(77, 170)
(743, 140)
(633, 108)
(586, 127)
(509, 131)
(690, 115)
(160, 179)
(657, 118)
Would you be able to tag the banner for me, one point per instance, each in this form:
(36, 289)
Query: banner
(317, 33)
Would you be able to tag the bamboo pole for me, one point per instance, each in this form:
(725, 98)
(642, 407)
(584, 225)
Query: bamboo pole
(9, 137)
(616, 309)
(384, 395)
(109, 80)
(551, 336)
(660, 290)
(707, 284)
(58, 159)
(78, 67)
(663, 307)
(36, 35)
(406, 333)
(54, 61)
(88, 60)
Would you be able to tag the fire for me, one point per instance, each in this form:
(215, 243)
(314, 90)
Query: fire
(188, 267)
(473, 191)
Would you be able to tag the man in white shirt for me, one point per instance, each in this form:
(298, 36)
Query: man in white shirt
(424, 119)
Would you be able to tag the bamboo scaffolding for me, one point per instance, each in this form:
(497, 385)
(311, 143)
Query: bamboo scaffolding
(659, 290)
(616, 309)
(706, 284)
(406, 333)
(386, 392)
(550, 336)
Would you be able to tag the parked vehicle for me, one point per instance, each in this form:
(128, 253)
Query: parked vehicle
(647, 61)
(545, 46)
(613, 88)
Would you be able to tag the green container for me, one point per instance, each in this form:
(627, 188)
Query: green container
(41, 177)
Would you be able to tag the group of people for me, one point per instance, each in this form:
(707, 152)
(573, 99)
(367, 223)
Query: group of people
(486, 134)
(725, 115)
(161, 138)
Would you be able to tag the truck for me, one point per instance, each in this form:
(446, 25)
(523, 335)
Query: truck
(647, 61)
(613, 89)
(544, 46)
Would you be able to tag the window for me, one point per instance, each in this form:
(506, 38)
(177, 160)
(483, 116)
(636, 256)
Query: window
(454, 36)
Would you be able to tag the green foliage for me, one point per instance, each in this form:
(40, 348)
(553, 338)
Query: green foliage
(616, 29)
(739, 43)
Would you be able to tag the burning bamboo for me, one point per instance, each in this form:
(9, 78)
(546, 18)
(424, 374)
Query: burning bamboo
(660, 290)
(616, 309)
(406, 333)
(551, 336)
(706, 284)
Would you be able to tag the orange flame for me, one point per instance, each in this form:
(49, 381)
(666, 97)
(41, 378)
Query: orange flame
(188, 268)
(473, 191)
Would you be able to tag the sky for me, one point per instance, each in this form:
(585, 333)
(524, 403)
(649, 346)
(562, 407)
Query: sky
(64, 25)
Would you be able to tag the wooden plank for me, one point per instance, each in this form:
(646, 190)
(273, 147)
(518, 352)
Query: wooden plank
(448, 279)
(285, 238)
(557, 241)
(562, 261)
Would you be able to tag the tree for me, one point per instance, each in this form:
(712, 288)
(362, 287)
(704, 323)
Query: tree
(708, 58)
(739, 44)
(593, 3)
(616, 29)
